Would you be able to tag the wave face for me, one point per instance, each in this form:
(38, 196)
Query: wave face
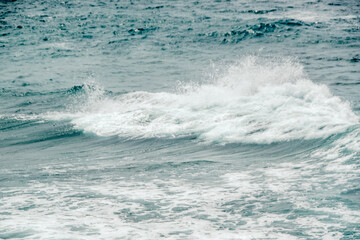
(253, 101)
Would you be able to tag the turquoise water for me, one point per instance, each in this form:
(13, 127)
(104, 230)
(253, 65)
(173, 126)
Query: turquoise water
(179, 120)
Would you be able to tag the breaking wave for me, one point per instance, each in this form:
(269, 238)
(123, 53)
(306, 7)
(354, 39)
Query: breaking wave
(252, 101)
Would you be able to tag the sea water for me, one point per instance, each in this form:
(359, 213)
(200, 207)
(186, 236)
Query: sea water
(179, 119)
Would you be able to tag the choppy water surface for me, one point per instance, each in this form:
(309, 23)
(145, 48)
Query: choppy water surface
(179, 120)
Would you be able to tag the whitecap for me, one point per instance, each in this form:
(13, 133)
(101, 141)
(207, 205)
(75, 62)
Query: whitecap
(253, 101)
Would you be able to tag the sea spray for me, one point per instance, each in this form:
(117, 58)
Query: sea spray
(253, 101)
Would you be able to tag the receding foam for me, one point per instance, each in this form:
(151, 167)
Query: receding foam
(253, 101)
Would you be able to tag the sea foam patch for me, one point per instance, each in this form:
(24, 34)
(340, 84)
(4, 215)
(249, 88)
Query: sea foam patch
(253, 101)
(259, 203)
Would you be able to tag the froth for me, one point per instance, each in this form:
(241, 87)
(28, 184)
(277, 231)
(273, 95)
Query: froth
(253, 101)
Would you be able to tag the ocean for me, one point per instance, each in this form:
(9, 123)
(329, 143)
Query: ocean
(154, 119)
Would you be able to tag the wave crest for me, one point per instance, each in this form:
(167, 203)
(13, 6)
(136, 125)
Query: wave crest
(251, 102)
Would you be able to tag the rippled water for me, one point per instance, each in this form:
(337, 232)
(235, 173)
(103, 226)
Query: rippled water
(179, 120)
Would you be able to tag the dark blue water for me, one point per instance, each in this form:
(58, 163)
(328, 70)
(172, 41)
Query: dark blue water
(179, 120)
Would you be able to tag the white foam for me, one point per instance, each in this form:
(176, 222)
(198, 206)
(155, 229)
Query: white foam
(108, 209)
(313, 17)
(252, 101)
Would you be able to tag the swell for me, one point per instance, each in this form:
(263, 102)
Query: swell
(253, 101)
(263, 27)
(21, 102)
